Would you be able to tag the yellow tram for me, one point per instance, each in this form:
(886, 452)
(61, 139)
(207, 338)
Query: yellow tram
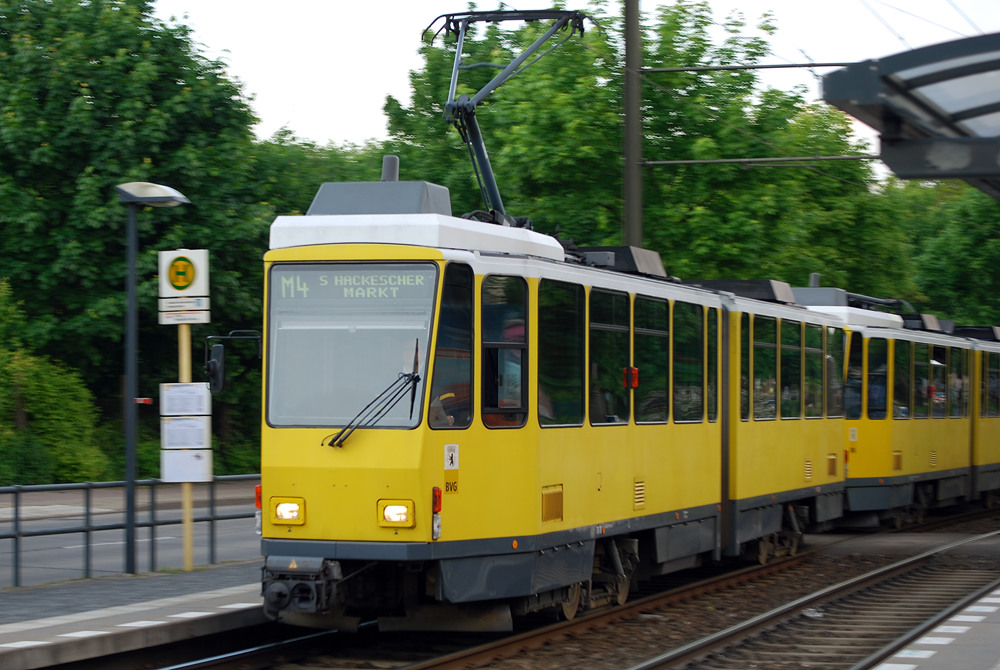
(462, 422)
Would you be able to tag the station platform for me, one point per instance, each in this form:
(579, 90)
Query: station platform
(968, 640)
(43, 626)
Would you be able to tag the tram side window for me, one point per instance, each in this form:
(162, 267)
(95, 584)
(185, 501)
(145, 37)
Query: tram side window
(765, 367)
(609, 357)
(689, 362)
(560, 353)
(939, 382)
(451, 389)
(745, 366)
(902, 383)
(991, 385)
(652, 358)
(505, 351)
(712, 388)
(834, 372)
(878, 377)
(791, 369)
(921, 379)
(855, 371)
(958, 382)
(814, 371)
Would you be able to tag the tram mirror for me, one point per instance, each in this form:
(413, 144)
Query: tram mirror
(215, 368)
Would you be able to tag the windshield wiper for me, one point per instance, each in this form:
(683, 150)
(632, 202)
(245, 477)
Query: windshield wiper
(383, 403)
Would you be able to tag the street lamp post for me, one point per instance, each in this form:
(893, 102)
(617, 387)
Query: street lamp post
(134, 194)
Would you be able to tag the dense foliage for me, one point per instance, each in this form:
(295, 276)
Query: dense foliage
(97, 93)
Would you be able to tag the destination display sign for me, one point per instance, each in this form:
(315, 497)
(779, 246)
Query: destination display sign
(353, 282)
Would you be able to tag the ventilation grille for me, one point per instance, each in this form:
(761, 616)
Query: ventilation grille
(809, 470)
(933, 459)
(552, 503)
(638, 495)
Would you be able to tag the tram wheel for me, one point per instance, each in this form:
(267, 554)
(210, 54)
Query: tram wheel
(570, 607)
(764, 549)
(624, 584)
(790, 544)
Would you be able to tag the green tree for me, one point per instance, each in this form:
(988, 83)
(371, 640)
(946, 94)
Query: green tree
(737, 221)
(955, 230)
(554, 136)
(99, 93)
(47, 416)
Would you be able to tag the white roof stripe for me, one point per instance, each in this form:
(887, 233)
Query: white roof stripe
(425, 230)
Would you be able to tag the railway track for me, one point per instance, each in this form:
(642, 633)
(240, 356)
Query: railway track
(765, 615)
(854, 624)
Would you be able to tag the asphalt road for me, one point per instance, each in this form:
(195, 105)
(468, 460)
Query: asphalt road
(51, 558)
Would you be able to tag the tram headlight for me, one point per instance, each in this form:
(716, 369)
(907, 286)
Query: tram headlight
(396, 514)
(288, 511)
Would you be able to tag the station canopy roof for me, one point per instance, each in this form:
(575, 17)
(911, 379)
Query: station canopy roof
(937, 109)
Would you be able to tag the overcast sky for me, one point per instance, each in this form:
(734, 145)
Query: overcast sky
(324, 67)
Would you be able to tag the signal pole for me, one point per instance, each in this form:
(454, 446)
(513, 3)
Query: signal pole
(632, 178)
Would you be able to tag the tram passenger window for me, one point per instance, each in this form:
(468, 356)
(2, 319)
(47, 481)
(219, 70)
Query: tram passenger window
(958, 382)
(689, 362)
(921, 379)
(878, 377)
(938, 392)
(902, 380)
(991, 385)
(813, 395)
(560, 353)
(712, 388)
(745, 366)
(791, 369)
(765, 367)
(609, 357)
(505, 351)
(451, 388)
(834, 372)
(852, 386)
(652, 358)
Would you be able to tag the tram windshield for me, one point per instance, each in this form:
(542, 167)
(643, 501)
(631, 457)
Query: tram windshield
(339, 334)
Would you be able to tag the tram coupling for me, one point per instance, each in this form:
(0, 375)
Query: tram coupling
(297, 585)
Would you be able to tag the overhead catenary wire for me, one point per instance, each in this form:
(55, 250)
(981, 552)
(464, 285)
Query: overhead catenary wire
(886, 24)
(965, 16)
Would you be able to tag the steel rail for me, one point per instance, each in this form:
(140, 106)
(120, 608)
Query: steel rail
(769, 619)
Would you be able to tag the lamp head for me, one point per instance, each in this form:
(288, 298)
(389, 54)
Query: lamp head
(147, 193)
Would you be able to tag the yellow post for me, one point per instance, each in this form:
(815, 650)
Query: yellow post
(187, 503)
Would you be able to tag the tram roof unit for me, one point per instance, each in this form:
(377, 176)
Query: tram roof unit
(400, 212)
(836, 301)
(985, 333)
(855, 316)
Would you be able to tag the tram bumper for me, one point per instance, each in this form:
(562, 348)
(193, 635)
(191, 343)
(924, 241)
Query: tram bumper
(297, 585)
